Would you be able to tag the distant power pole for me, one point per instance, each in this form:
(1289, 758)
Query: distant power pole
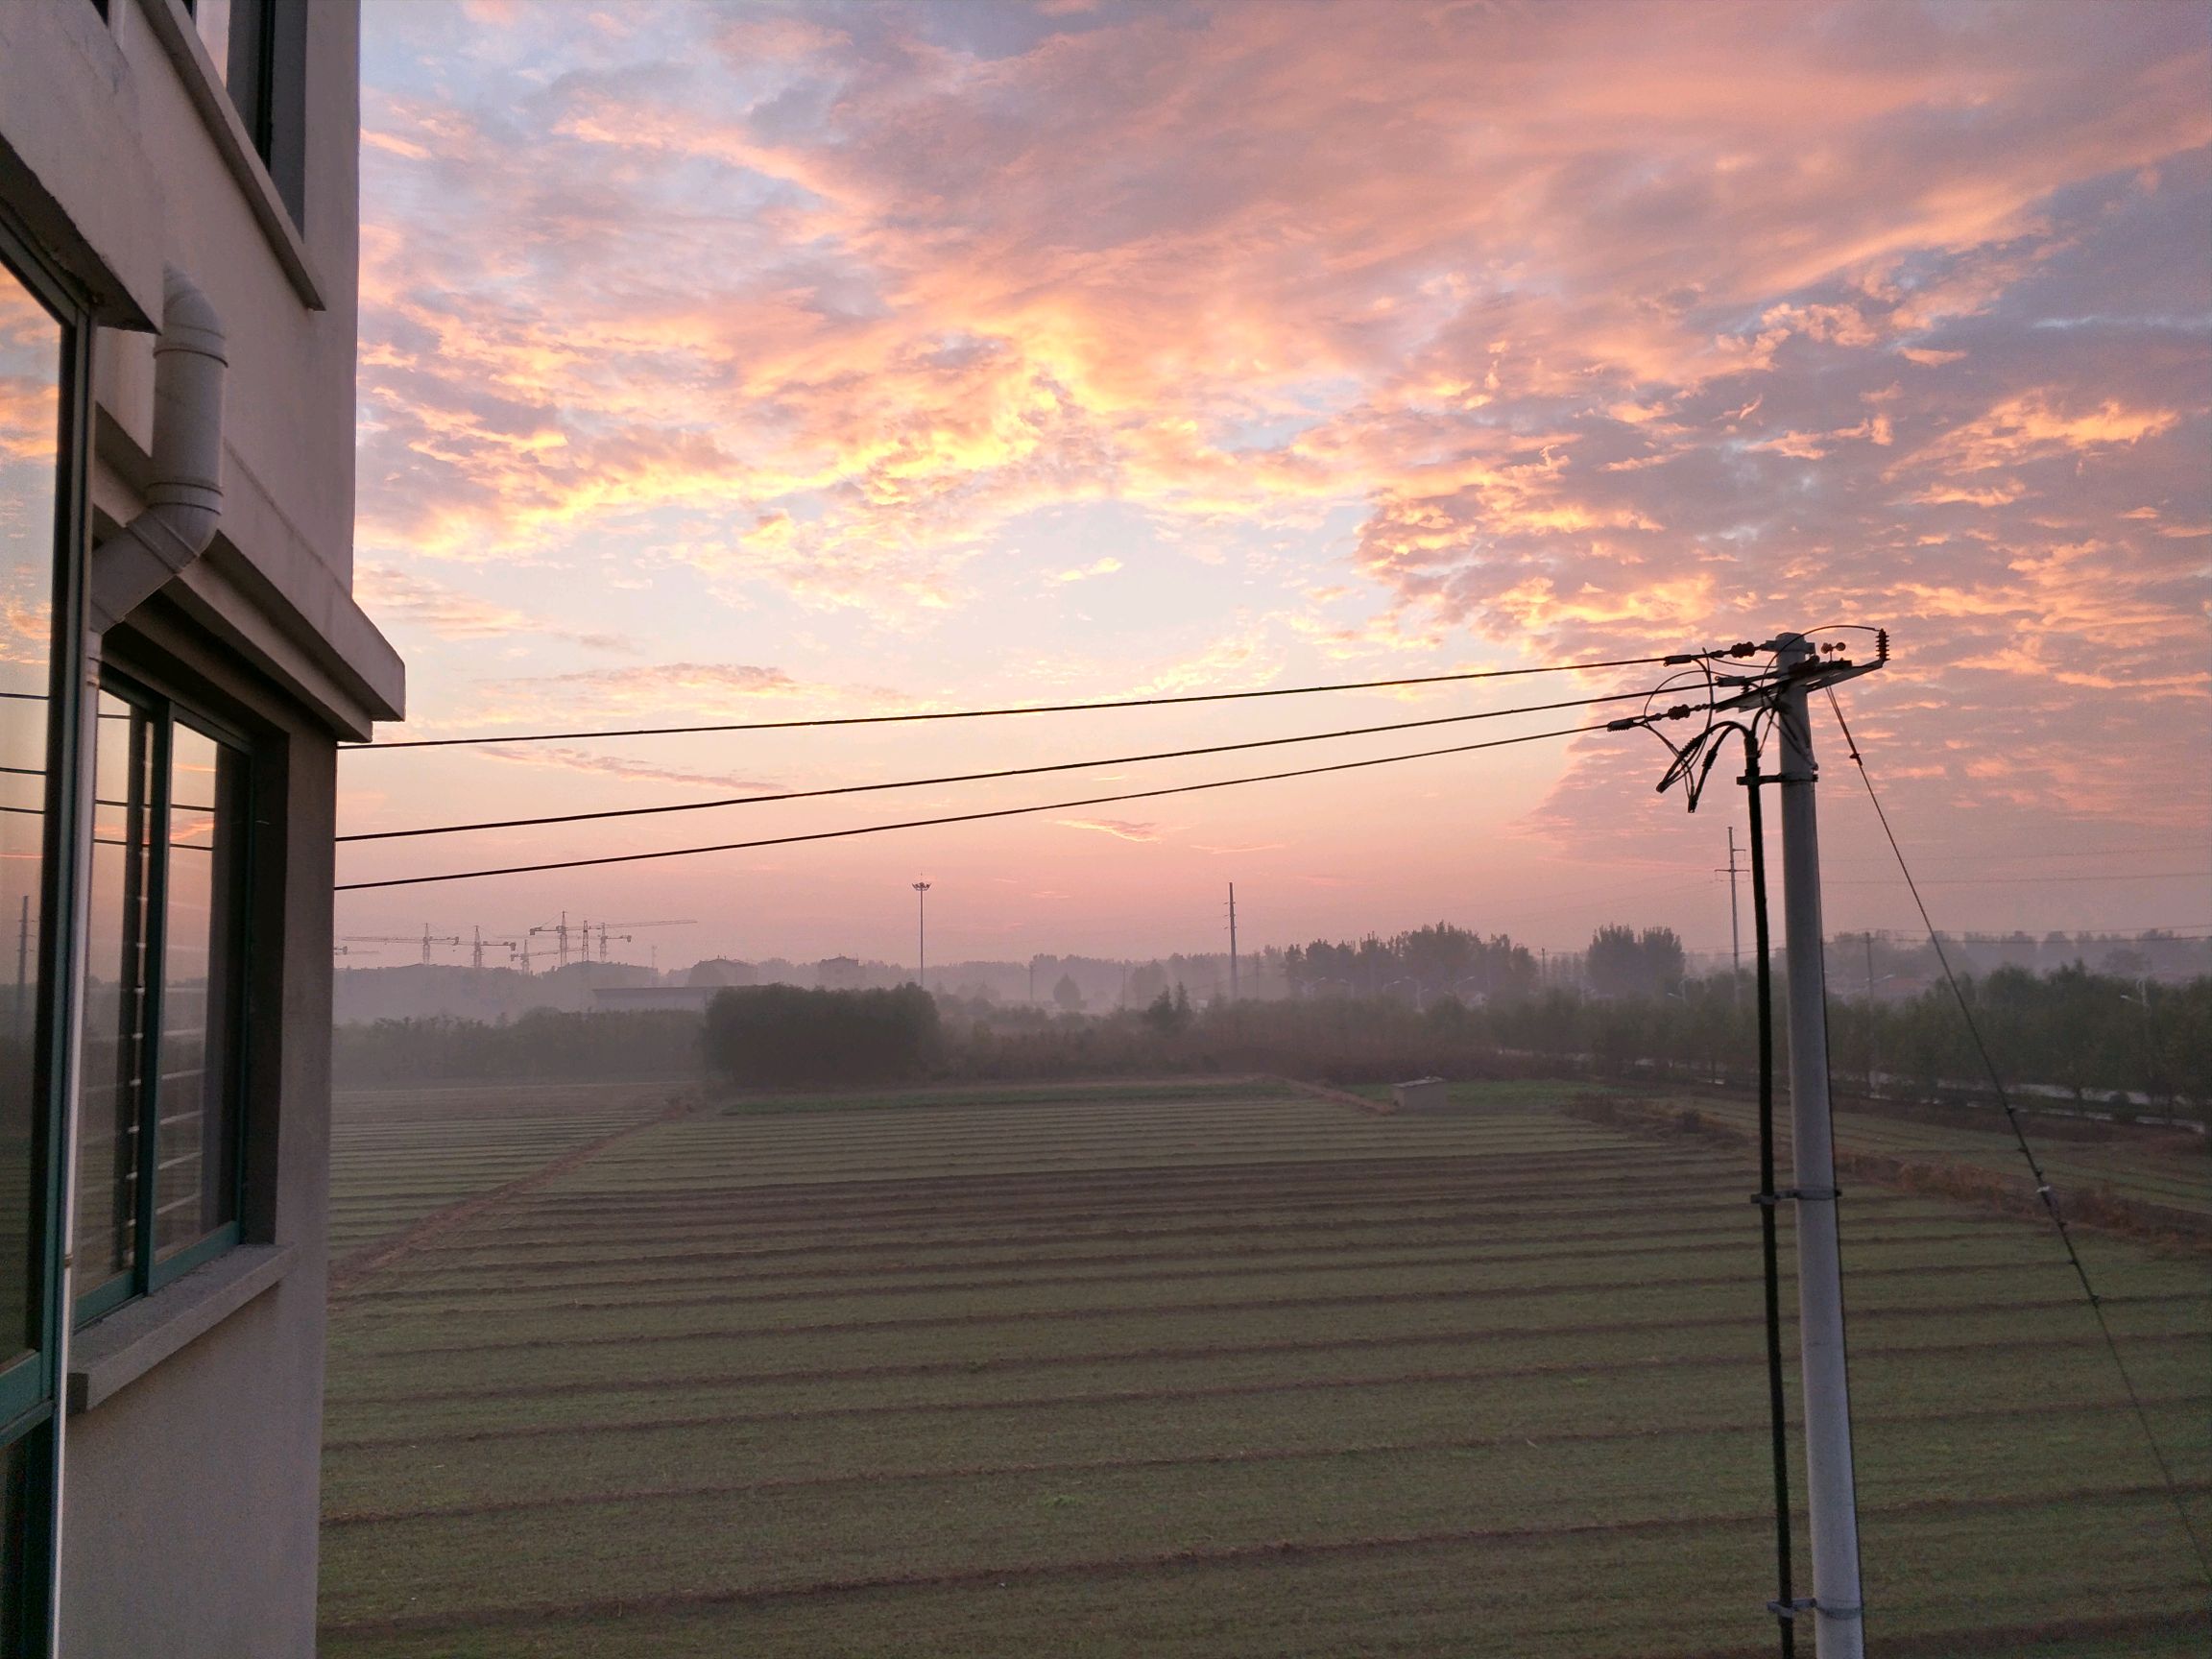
(1232, 941)
(921, 934)
(1735, 937)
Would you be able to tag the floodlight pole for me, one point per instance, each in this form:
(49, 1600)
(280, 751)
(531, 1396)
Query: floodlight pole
(1832, 1498)
(921, 934)
(1735, 930)
(1232, 941)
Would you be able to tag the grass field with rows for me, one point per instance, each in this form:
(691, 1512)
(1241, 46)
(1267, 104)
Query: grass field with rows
(1192, 1368)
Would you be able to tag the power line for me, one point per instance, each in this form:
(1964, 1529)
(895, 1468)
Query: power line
(1676, 660)
(1679, 713)
(2043, 1189)
(985, 777)
(2010, 880)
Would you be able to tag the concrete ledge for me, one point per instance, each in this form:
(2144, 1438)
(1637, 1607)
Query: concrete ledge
(110, 1354)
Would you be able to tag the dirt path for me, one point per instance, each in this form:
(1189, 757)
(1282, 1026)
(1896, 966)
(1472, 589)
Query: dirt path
(345, 1274)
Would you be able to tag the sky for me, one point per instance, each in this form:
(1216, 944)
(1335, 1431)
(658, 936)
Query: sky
(772, 362)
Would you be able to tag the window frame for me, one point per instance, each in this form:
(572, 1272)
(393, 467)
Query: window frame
(262, 71)
(148, 1270)
(31, 1407)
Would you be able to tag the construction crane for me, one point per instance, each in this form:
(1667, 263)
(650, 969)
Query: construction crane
(351, 951)
(559, 931)
(603, 928)
(427, 939)
(479, 945)
(560, 936)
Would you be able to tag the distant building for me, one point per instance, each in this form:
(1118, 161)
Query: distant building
(840, 974)
(178, 242)
(721, 971)
(611, 999)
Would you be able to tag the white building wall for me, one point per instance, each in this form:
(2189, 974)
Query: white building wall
(190, 1485)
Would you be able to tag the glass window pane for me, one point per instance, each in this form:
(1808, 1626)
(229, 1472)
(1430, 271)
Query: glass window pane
(30, 345)
(195, 1184)
(115, 994)
(212, 19)
(14, 1535)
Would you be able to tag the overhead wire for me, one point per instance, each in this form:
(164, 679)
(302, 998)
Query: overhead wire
(1174, 701)
(2044, 1191)
(1784, 1606)
(1681, 712)
(986, 777)
(2010, 880)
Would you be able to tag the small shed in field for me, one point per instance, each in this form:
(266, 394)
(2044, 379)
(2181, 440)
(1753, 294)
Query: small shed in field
(1421, 1094)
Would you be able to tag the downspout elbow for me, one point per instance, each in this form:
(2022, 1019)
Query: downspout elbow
(185, 491)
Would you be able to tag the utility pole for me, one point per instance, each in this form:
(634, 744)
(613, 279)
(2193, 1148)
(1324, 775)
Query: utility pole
(1232, 941)
(1735, 935)
(1778, 698)
(921, 934)
(1869, 1013)
(1831, 1490)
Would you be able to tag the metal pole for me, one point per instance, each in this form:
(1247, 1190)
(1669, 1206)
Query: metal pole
(1832, 1498)
(1232, 941)
(1735, 935)
(921, 934)
(1870, 1014)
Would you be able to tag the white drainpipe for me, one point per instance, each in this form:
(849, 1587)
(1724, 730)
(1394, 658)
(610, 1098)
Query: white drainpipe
(184, 505)
(184, 498)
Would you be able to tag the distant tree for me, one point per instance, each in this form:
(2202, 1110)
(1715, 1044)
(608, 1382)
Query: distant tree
(1663, 957)
(1147, 983)
(781, 1036)
(1068, 995)
(1168, 1013)
(1614, 963)
(1622, 962)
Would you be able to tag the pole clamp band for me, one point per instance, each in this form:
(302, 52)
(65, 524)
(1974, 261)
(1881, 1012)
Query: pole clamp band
(1788, 1610)
(1808, 1194)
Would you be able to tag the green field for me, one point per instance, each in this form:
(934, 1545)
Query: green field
(1192, 1369)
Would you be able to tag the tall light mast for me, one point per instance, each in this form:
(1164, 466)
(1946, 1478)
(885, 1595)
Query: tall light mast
(921, 934)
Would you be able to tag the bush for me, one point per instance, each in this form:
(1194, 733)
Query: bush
(545, 1043)
(782, 1037)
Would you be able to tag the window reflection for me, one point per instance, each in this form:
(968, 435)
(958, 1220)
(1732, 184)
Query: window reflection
(157, 1138)
(30, 346)
(115, 994)
(212, 19)
(195, 1189)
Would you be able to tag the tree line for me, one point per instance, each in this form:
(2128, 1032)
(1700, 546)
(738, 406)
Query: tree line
(1437, 1000)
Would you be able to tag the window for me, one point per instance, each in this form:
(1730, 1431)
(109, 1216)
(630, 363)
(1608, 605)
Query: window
(157, 1155)
(259, 49)
(43, 333)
